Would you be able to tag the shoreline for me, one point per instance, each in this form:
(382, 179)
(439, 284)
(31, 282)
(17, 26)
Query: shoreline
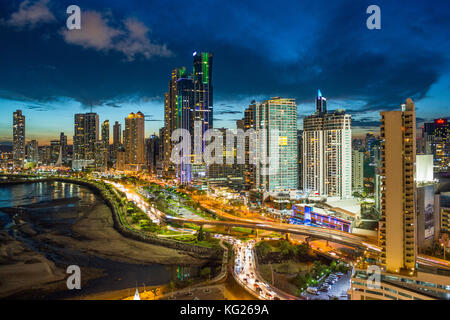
(93, 234)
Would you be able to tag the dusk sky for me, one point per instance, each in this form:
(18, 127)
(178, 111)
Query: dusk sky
(121, 59)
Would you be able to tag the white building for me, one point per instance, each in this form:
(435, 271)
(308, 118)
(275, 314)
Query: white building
(327, 155)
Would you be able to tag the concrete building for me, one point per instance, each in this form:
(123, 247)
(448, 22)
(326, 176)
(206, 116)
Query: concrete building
(134, 140)
(64, 147)
(424, 168)
(32, 151)
(117, 139)
(230, 175)
(435, 140)
(421, 286)
(18, 137)
(327, 157)
(86, 135)
(248, 125)
(397, 230)
(357, 170)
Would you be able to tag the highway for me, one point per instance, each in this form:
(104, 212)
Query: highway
(247, 263)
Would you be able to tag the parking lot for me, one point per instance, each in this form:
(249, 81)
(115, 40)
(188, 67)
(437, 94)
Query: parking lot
(338, 289)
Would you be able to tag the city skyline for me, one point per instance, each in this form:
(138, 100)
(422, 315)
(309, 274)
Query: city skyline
(290, 62)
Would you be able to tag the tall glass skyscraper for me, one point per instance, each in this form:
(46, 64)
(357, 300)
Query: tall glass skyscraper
(189, 100)
(277, 114)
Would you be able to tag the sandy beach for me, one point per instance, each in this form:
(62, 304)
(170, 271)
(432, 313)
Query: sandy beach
(35, 252)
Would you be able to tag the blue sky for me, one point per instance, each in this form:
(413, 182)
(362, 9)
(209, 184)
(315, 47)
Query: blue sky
(120, 61)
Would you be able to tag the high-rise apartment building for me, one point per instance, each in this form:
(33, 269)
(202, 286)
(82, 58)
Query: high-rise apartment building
(226, 174)
(55, 152)
(327, 157)
(134, 140)
(64, 147)
(105, 143)
(152, 149)
(276, 114)
(300, 158)
(357, 170)
(86, 135)
(32, 151)
(435, 140)
(397, 231)
(247, 124)
(117, 138)
(18, 136)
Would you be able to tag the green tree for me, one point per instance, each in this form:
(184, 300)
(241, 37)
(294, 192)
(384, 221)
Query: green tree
(205, 272)
(200, 234)
(286, 249)
(264, 249)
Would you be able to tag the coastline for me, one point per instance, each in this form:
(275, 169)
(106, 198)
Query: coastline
(26, 271)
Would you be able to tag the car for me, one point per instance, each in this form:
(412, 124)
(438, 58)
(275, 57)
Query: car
(324, 288)
(312, 290)
(340, 274)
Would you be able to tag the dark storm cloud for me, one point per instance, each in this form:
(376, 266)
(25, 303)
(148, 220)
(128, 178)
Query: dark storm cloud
(260, 49)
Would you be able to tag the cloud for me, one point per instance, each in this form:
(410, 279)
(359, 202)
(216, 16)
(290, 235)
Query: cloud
(31, 14)
(130, 38)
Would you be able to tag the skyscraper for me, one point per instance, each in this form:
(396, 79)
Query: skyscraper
(357, 170)
(327, 152)
(435, 140)
(32, 151)
(91, 135)
(86, 135)
(105, 133)
(78, 138)
(152, 152)
(398, 220)
(321, 103)
(134, 140)
(178, 107)
(203, 90)
(55, 151)
(248, 123)
(64, 147)
(117, 138)
(271, 115)
(18, 136)
(105, 143)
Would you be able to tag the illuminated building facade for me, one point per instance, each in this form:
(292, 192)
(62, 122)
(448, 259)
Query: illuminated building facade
(357, 170)
(189, 100)
(134, 140)
(397, 230)
(435, 140)
(327, 156)
(86, 135)
(64, 147)
(277, 114)
(32, 151)
(18, 137)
